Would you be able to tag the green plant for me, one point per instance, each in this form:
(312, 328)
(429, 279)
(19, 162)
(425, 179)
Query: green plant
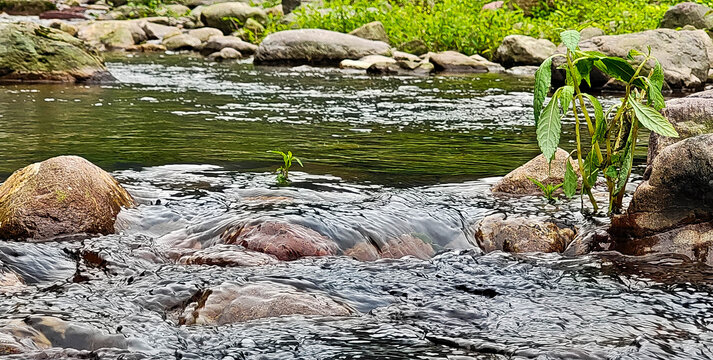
(548, 190)
(639, 106)
(283, 172)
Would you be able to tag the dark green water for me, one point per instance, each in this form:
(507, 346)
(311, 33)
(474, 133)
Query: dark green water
(180, 110)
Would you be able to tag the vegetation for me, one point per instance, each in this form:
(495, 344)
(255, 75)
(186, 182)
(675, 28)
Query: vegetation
(283, 172)
(548, 190)
(614, 131)
(464, 26)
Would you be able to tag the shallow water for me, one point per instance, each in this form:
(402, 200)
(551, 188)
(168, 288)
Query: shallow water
(384, 156)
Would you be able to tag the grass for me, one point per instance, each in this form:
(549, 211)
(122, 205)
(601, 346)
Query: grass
(463, 26)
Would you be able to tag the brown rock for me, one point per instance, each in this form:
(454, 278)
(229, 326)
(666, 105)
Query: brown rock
(517, 182)
(521, 235)
(394, 248)
(455, 62)
(61, 196)
(228, 256)
(284, 240)
(231, 303)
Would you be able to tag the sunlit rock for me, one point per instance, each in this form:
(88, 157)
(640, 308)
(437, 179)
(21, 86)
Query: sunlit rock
(393, 248)
(227, 16)
(231, 303)
(113, 34)
(61, 196)
(522, 235)
(284, 240)
(518, 182)
(523, 50)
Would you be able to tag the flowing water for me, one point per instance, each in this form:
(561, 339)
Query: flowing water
(383, 156)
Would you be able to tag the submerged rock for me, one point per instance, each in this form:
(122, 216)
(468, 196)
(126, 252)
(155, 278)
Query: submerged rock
(315, 47)
(523, 50)
(226, 255)
(30, 52)
(685, 56)
(229, 15)
(394, 248)
(61, 196)
(371, 31)
(517, 182)
(671, 212)
(688, 13)
(522, 235)
(232, 303)
(283, 240)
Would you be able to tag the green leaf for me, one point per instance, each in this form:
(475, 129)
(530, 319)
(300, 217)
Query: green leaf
(549, 127)
(543, 80)
(299, 162)
(655, 86)
(566, 96)
(623, 175)
(584, 67)
(612, 172)
(536, 182)
(591, 168)
(600, 124)
(632, 53)
(570, 39)
(570, 180)
(652, 119)
(617, 68)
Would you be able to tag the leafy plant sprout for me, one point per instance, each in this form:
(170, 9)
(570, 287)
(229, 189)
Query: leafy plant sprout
(283, 172)
(616, 133)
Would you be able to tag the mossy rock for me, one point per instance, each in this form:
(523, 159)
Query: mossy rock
(30, 52)
(26, 7)
(61, 196)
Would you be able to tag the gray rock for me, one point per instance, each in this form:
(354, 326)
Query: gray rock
(416, 47)
(492, 66)
(113, 34)
(402, 67)
(688, 13)
(517, 182)
(455, 62)
(315, 47)
(158, 31)
(528, 70)
(365, 62)
(203, 34)
(684, 55)
(217, 43)
(522, 235)
(523, 50)
(590, 32)
(181, 42)
(219, 15)
(225, 54)
(372, 31)
(400, 55)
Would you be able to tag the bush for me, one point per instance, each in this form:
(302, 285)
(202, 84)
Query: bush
(463, 26)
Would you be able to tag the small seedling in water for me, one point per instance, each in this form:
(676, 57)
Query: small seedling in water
(283, 172)
(548, 190)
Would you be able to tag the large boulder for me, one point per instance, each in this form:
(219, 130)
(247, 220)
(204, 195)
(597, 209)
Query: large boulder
(284, 240)
(315, 47)
(522, 235)
(26, 7)
(672, 210)
(684, 55)
(230, 15)
(61, 196)
(688, 13)
(232, 303)
(518, 182)
(523, 50)
(30, 52)
(112, 34)
(372, 31)
(690, 116)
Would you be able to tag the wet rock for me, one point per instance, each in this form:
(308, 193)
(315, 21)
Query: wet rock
(455, 62)
(684, 55)
(517, 182)
(64, 26)
(371, 31)
(232, 303)
(402, 67)
(521, 235)
(30, 52)
(203, 34)
(181, 42)
(315, 47)
(688, 13)
(158, 31)
(227, 256)
(671, 212)
(225, 54)
(590, 32)
(690, 116)
(218, 43)
(61, 196)
(394, 248)
(26, 7)
(112, 34)
(284, 240)
(494, 5)
(220, 16)
(523, 50)
(522, 70)
(416, 47)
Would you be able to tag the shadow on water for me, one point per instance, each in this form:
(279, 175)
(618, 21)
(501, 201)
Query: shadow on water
(385, 156)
